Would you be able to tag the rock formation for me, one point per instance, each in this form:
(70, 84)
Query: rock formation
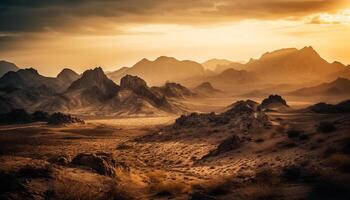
(274, 102)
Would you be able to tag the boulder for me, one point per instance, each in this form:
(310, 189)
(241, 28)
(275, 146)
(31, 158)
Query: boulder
(274, 102)
(102, 163)
(231, 143)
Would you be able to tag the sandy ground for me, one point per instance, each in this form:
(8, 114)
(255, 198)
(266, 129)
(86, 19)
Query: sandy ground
(167, 164)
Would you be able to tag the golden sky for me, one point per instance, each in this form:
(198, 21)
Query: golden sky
(82, 34)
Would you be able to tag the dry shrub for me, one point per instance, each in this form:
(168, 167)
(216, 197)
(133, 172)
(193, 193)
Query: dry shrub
(258, 191)
(330, 185)
(266, 187)
(74, 190)
(121, 191)
(326, 127)
(30, 171)
(340, 161)
(161, 186)
(293, 133)
(217, 187)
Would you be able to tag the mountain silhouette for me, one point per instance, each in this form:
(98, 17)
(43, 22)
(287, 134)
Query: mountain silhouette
(162, 69)
(290, 65)
(212, 64)
(6, 67)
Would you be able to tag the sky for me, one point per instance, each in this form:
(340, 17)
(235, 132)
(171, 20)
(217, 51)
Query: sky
(81, 34)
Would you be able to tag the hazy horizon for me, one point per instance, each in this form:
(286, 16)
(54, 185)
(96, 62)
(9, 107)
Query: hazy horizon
(87, 33)
(58, 69)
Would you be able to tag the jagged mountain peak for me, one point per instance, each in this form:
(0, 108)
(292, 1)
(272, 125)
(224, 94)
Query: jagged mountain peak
(97, 79)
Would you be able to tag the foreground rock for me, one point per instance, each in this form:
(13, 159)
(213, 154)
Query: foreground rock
(102, 163)
(274, 102)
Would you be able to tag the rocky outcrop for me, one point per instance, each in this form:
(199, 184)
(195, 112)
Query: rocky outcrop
(274, 102)
(60, 118)
(132, 82)
(102, 163)
(242, 115)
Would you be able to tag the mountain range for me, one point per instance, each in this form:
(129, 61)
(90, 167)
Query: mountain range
(283, 66)
(91, 93)
(153, 86)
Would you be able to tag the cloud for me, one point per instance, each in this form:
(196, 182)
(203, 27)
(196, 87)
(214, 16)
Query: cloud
(25, 22)
(82, 15)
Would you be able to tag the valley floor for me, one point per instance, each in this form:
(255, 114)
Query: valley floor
(294, 159)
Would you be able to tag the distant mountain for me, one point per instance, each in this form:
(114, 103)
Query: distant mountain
(116, 75)
(67, 76)
(290, 65)
(340, 86)
(212, 64)
(6, 67)
(206, 89)
(231, 78)
(342, 107)
(162, 69)
(174, 90)
(232, 65)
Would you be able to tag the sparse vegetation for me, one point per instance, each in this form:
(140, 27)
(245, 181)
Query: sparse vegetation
(293, 133)
(326, 127)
